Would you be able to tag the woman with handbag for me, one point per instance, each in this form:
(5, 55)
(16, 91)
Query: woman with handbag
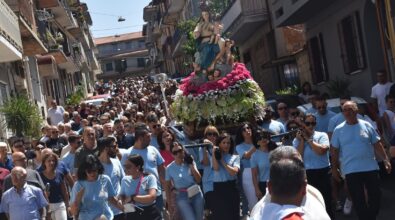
(183, 174)
(138, 191)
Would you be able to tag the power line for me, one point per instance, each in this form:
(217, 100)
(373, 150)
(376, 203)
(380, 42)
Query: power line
(105, 14)
(108, 29)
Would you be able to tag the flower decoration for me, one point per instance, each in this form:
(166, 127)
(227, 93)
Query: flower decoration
(229, 99)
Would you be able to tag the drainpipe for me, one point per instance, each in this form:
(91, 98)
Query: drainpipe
(382, 36)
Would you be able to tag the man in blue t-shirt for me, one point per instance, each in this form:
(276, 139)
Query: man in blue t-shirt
(354, 144)
(323, 114)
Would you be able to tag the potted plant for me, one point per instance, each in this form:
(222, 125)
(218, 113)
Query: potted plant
(21, 116)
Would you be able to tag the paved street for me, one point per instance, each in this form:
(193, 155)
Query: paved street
(387, 210)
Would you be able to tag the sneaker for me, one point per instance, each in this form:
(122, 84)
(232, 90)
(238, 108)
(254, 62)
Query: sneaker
(339, 206)
(347, 207)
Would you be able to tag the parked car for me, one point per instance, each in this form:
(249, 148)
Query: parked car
(97, 100)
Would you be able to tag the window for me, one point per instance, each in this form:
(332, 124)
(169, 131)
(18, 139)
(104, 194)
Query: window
(291, 74)
(352, 52)
(318, 65)
(140, 62)
(141, 43)
(109, 67)
(129, 45)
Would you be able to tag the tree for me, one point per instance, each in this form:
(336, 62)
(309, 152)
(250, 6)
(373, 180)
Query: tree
(22, 116)
(186, 27)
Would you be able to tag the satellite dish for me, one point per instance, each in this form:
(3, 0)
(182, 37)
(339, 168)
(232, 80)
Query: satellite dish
(121, 19)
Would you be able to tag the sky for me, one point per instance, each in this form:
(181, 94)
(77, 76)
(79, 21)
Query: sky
(105, 15)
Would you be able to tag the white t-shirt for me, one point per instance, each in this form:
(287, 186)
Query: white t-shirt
(56, 115)
(313, 206)
(379, 91)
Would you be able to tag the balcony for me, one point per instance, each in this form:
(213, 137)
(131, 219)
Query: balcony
(177, 41)
(243, 18)
(80, 35)
(61, 11)
(24, 9)
(156, 31)
(58, 54)
(150, 12)
(10, 37)
(175, 6)
(286, 12)
(47, 66)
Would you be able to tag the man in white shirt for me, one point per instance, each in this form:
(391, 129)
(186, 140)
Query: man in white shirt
(311, 207)
(55, 113)
(380, 90)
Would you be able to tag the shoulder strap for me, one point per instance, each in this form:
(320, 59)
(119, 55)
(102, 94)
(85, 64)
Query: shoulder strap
(138, 185)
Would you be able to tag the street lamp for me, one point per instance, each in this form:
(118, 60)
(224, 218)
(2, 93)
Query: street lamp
(161, 78)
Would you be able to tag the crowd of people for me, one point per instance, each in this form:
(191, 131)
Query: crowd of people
(128, 159)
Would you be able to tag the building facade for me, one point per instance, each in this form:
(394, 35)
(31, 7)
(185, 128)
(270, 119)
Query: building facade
(122, 55)
(42, 53)
(343, 40)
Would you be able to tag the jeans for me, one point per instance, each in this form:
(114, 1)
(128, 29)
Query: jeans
(58, 211)
(190, 208)
(357, 183)
(159, 204)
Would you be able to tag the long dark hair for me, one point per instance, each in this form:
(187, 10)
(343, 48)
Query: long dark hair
(221, 137)
(239, 134)
(90, 162)
(262, 133)
(160, 137)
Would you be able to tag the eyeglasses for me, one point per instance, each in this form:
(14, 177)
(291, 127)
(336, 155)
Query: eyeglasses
(175, 152)
(294, 113)
(282, 108)
(313, 123)
(211, 134)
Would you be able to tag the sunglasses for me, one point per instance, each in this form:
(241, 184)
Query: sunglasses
(177, 151)
(313, 123)
(156, 126)
(91, 171)
(246, 128)
(211, 134)
(321, 107)
(264, 137)
(18, 145)
(294, 113)
(282, 108)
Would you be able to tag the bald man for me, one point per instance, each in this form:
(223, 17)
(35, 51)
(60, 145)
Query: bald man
(32, 178)
(23, 201)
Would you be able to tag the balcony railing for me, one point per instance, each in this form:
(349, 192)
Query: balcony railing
(24, 9)
(10, 38)
(9, 27)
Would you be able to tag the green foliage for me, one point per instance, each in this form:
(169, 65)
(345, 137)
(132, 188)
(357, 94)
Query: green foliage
(218, 7)
(76, 97)
(338, 87)
(22, 117)
(186, 27)
(292, 90)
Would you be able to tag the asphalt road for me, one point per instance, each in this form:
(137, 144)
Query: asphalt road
(387, 211)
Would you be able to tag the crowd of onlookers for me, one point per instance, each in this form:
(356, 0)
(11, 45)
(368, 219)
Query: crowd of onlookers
(125, 159)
